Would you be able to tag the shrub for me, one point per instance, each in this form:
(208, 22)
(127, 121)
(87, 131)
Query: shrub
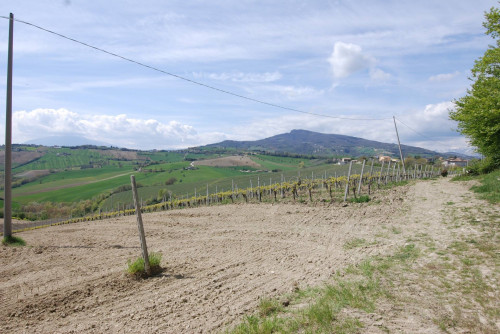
(484, 166)
(444, 173)
(170, 181)
(137, 270)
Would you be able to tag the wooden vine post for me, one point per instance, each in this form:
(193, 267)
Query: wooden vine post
(361, 177)
(347, 183)
(142, 237)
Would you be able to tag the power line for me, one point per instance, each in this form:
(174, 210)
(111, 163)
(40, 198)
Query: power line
(190, 80)
(420, 134)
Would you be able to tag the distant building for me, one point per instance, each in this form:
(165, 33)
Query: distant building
(384, 158)
(455, 162)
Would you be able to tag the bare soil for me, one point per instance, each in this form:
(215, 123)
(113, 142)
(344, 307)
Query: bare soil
(22, 156)
(125, 155)
(219, 261)
(33, 174)
(232, 161)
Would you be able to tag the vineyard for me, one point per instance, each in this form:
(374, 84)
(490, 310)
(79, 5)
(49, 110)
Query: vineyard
(391, 263)
(352, 187)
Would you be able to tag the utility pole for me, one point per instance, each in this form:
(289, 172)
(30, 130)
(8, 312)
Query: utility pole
(399, 144)
(7, 204)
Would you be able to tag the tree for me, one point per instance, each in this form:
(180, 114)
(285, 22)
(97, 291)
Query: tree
(478, 112)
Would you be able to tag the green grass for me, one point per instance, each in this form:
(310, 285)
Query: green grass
(136, 268)
(13, 241)
(320, 309)
(489, 188)
(354, 243)
(360, 199)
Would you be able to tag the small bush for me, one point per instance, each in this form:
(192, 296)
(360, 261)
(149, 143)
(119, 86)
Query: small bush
(360, 199)
(136, 268)
(13, 241)
(478, 167)
(444, 173)
(170, 181)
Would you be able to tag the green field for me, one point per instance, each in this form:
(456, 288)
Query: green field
(82, 174)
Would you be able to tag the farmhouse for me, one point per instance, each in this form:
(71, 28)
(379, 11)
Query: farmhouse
(384, 158)
(455, 162)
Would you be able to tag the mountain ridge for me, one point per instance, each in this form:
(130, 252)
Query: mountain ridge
(314, 143)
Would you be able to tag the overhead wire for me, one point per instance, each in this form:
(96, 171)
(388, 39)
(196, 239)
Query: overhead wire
(190, 80)
(418, 133)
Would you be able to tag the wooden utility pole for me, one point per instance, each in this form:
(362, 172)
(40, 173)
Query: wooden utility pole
(399, 144)
(144, 247)
(7, 204)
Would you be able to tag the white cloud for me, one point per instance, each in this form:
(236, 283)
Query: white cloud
(294, 93)
(118, 130)
(443, 77)
(377, 75)
(347, 59)
(241, 76)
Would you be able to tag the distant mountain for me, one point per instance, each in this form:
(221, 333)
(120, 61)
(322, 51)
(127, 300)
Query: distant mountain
(320, 144)
(65, 141)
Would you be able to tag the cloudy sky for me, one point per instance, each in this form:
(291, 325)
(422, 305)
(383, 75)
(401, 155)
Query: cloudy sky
(347, 60)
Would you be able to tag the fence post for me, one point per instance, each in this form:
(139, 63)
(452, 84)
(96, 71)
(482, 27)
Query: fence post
(347, 183)
(381, 171)
(142, 237)
(361, 177)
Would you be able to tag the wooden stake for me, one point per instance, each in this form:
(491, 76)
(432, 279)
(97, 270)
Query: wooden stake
(361, 177)
(142, 237)
(347, 183)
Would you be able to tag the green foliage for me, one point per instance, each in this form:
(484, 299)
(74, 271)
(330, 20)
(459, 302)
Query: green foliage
(490, 187)
(360, 199)
(478, 112)
(136, 268)
(478, 167)
(170, 181)
(13, 241)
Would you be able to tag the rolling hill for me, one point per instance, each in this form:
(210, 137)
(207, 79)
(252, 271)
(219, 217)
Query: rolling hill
(319, 144)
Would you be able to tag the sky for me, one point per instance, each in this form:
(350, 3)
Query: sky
(353, 64)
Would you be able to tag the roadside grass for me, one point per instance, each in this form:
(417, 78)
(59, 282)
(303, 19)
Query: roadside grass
(453, 283)
(489, 188)
(321, 309)
(13, 241)
(353, 243)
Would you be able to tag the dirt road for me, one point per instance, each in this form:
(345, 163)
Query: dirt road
(219, 262)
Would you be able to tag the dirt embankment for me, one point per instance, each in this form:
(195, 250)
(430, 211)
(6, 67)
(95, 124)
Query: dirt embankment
(219, 262)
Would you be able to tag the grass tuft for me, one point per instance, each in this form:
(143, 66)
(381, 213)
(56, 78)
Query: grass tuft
(13, 241)
(360, 199)
(137, 270)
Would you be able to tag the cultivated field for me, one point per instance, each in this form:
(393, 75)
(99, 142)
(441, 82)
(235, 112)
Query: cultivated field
(221, 261)
(231, 161)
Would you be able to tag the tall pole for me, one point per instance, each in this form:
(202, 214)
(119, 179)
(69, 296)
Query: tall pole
(399, 144)
(7, 204)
